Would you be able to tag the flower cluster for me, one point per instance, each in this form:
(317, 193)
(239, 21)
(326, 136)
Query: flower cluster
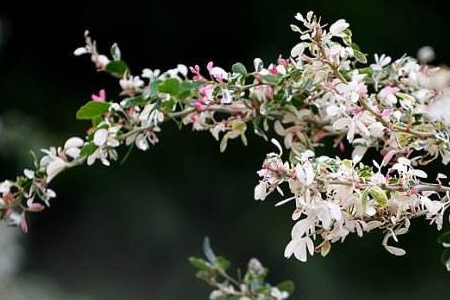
(325, 92)
(335, 197)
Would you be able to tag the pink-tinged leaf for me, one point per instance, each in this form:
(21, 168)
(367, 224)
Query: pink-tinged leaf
(23, 223)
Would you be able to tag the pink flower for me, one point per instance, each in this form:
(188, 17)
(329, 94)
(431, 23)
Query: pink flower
(218, 73)
(207, 92)
(283, 61)
(273, 69)
(101, 97)
(319, 135)
(196, 71)
(386, 112)
(199, 105)
(193, 117)
(23, 223)
(387, 95)
(35, 207)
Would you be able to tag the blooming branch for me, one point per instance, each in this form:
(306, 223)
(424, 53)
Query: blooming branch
(325, 89)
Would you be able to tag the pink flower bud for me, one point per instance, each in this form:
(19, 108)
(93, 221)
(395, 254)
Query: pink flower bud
(101, 97)
(199, 105)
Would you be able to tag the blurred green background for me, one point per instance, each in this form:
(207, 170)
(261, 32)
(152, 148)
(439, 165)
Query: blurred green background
(125, 232)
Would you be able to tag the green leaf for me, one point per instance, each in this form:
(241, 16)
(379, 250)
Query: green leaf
(222, 263)
(186, 89)
(200, 264)
(258, 288)
(355, 47)
(270, 79)
(444, 239)
(208, 251)
(286, 286)
(134, 101)
(96, 121)
(445, 259)
(117, 68)
(297, 75)
(347, 36)
(239, 69)
(170, 86)
(115, 52)
(368, 71)
(153, 89)
(224, 142)
(88, 149)
(360, 57)
(406, 97)
(92, 110)
(244, 139)
(35, 160)
(379, 196)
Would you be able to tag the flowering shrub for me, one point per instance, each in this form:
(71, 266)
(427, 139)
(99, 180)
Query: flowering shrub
(325, 91)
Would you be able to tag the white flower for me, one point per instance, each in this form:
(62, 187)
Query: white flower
(5, 187)
(338, 27)
(298, 50)
(299, 17)
(103, 60)
(80, 51)
(299, 248)
(182, 69)
(439, 108)
(333, 110)
(258, 63)
(402, 165)
(255, 266)
(151, 116)
(105, 140)
(354, 89)
(141, 142)
(100, 137)
(376, 129)
(305, 173)
(380, 62)
(261, 191)
(131, 83)
(216, 294)
(277, 294)
(72, 147)
(103, 155)
(106, 137)
(28, 173)
(387, 95)
(152, 75)
(358, 153)
(55, 166)
(217, 129)
(391, 249)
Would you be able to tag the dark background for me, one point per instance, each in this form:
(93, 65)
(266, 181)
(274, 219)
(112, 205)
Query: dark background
(125, 232)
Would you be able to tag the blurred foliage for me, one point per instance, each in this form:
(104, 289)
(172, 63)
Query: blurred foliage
(249, 284)
(127, 230)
